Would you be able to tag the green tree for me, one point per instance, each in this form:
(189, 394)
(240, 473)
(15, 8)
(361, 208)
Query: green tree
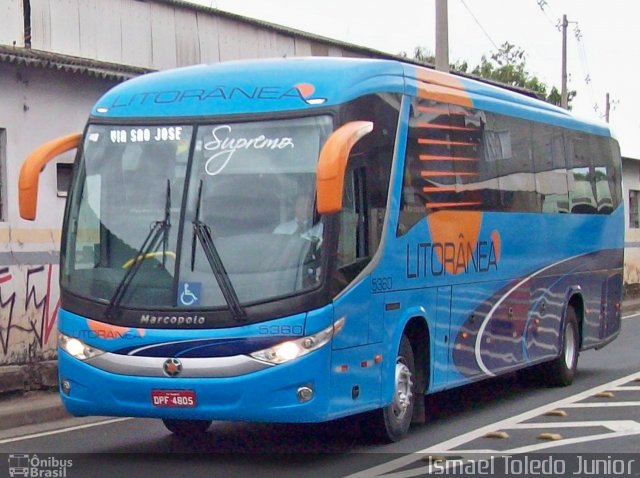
(424, 55)
(508, 66)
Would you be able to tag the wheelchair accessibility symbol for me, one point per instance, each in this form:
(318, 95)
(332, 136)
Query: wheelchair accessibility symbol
(189, 293)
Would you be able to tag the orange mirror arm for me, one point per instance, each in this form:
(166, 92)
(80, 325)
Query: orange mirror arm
(33, 165)
(332, 164)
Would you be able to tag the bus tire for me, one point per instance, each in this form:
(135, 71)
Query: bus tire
(560, 371)
(391, 423)
(186, 428)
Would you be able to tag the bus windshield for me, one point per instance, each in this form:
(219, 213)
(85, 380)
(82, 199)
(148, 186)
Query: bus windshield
(195, 216)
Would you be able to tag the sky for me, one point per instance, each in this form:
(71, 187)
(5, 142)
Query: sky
(603, 50)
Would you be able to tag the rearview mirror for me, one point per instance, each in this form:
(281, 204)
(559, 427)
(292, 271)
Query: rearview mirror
(33, 166)
(332, 164)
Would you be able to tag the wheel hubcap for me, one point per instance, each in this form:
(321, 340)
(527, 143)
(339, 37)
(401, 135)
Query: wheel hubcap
(403, 395)
(569, 346)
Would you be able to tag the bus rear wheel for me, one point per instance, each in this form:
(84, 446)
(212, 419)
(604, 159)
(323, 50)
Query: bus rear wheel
(186, 428)
(560, 372)
(391, 423)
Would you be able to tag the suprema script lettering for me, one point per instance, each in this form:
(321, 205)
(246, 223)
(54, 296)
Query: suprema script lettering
(224, 147)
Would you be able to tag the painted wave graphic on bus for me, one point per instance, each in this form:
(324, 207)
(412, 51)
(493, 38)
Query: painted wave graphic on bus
(520, 323)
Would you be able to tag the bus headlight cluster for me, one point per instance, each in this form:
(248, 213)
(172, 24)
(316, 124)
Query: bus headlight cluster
(77, 348)
(292, 349)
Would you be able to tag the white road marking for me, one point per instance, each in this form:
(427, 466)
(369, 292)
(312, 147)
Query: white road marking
(554, 444)
(602, 404)
(620, 428)
(565, 402)
(613, 425)
(62, 430)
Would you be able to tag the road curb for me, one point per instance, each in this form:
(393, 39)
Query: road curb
(630, 306)
(31, 408)
(38, 375)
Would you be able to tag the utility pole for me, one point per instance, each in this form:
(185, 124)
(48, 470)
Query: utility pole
(442, 36)
(607, 108)
(564, 101)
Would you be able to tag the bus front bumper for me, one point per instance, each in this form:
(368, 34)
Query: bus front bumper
(269, 395)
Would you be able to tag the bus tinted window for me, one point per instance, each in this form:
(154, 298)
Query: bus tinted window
(550, 169)
(592, 174)
(366, 185)
(374, 155)
(581, 178)
(443, 161)
(508, 144)
(607, 173)
(476, 177)
(463, 159)
(615, 169)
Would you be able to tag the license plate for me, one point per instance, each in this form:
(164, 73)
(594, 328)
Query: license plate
(173, 398)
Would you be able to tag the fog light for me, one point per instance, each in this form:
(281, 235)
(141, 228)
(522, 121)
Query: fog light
(304, 394)
(65, 385)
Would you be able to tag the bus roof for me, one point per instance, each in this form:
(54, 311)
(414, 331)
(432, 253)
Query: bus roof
(276, 85)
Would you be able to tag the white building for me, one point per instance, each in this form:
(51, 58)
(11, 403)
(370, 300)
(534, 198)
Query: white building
(631, 196)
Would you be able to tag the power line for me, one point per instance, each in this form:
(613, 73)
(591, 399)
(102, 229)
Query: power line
(581, 50)
(480, 25)
(543, 4)
(584, 65)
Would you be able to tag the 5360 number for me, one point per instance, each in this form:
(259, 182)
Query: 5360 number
(381, 284)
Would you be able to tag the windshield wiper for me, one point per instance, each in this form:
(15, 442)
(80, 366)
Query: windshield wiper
(203, 232)
(159, 232)
(167, 223)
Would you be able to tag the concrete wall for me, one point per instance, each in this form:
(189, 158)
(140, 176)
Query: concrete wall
(36, 105)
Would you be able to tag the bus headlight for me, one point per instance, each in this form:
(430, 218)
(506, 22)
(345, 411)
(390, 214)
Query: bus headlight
(76, 348)
(292, 349)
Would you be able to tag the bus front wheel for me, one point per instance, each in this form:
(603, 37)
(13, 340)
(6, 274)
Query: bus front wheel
(186, 428)
(391, 423)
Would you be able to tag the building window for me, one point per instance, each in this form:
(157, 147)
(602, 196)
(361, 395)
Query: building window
(63, 177)
(634, 217)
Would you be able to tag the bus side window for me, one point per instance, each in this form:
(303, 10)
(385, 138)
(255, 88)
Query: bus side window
(443, 168)
(550, 170)
(508, 146)
(606, 174)
(353, 246)
(581, 177)
(366, 185)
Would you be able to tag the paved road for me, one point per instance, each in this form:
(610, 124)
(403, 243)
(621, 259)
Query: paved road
(598, 413)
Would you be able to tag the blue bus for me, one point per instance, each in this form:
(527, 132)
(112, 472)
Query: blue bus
(300, 240)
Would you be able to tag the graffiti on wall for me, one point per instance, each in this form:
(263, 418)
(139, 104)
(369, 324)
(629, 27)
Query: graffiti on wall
(29, 304)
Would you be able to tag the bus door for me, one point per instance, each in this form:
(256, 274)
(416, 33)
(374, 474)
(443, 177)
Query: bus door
(360, 296)
(361, 304)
